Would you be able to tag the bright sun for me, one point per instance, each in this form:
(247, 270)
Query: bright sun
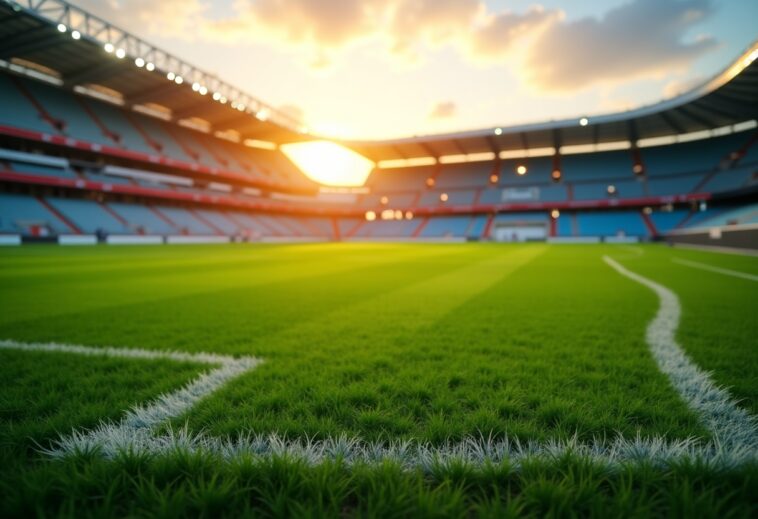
(328, 163)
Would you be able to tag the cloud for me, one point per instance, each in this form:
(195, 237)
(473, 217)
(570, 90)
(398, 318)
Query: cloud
(680, 86)
(640, 39)
(444, 110)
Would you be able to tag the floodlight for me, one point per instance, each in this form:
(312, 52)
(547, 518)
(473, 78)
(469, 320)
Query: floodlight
(120, 53)
(584, 121)
(76, 35)
(195, 87)
(521, 170)
(61, 27)
(384, 200)
(171, 76)
(179, 80)
(443, 197)
(203, 90)
(611, 189)
(216, 96)
(139, 62)
(109, 48)
(150, 66)
(408, 215)
(370, 216)
(494, 179)
(555, 214)
(498, 131)
(430, 182)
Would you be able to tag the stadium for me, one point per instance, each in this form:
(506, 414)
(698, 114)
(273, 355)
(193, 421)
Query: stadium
(554, 318)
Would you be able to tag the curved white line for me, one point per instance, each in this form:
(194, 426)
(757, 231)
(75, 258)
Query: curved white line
(729, 424)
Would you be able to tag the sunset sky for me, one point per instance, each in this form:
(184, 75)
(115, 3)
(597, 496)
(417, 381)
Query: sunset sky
(395, 68)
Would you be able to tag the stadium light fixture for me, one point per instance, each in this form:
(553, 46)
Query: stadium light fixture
(109, 48)
(178, 80)
(76, 35)
(241, 108)
(120, 53)
(262, 114)
(498, 131)
(384, 200)
(494, 178)
(195, 86)
(409, 215)
(556, 175)
(638, 169)
(139, 62)
(62, 28)
(555, 214)
(216, 96)
(398, 214)
(521, 170)
(648, 210)
(444, 197)
(430, 182)
(370, 216)
(150, 66)
(611, 189)
(170, 76)
(203, 90)
(584, 121)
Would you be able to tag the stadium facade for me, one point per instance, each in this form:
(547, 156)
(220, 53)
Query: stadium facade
(103, 136)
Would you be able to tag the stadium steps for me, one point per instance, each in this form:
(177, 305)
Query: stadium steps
(68, 223)
(114, 137)
(58, 125)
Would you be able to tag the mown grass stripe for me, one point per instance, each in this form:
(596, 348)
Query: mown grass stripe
(730, 425)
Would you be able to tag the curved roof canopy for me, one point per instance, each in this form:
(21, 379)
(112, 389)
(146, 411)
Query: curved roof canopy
(72, 42)
(729, 98)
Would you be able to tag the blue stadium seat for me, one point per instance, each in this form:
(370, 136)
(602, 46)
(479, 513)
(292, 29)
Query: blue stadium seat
(65, 106)
(668, 221)
(18, 212)
(611, 223)
(611, 165)
(17, 111)
(142, 217)
(185, 220)
(88, 215)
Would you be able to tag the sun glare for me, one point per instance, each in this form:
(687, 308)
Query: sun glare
(329, 164)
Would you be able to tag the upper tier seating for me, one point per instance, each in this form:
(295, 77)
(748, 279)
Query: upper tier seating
(17, 111)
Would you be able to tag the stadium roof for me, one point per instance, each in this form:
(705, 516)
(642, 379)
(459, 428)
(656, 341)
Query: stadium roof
(83, 49)
(729, 98)
(73, 43)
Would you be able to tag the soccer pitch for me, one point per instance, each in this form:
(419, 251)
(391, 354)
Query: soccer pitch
(378, 380)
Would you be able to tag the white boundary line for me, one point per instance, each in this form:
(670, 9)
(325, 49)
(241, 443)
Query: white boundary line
(143, 418)
(718, 270)
(734, 429)
(731, 426)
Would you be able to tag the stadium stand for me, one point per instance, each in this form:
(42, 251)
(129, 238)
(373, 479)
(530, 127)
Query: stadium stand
(116, 155)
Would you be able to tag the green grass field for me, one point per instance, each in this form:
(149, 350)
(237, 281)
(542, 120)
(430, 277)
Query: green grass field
(432, 345)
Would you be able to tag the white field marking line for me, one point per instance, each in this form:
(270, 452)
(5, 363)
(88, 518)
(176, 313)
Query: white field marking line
(718, 270)
(165, 406)
(136, 433)
(731, 426)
